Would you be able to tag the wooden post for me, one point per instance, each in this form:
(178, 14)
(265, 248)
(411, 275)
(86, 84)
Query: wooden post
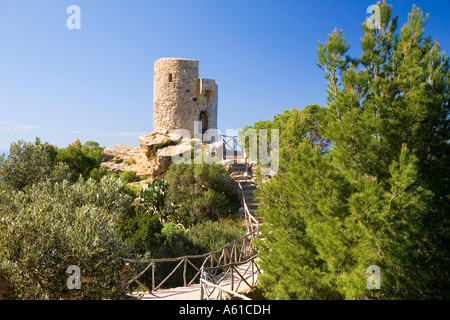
(153, 276)
(232, 279)
(184, 271)
(253, 274)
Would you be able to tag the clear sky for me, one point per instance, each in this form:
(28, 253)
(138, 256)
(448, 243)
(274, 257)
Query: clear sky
(96, 83)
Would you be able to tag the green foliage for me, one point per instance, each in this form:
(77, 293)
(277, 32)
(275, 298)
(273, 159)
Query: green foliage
(139, 230)
(155, 200)
(141, 226)
(98, 173)
(201, 192)
(208, 235)
(157, 227)
(82, 159)
(128, 177)
(53, 225)
(153, 149)
(379, 196)
(27, 163)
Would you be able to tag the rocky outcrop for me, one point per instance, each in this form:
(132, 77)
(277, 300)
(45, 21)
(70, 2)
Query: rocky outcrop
(122, 158)
(156, 153)
(151, 143)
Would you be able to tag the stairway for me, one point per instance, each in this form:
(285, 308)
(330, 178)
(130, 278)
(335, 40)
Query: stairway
(238, 170)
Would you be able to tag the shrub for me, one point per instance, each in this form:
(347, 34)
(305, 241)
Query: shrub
(51, 226)
(98, 173)
(212, 235)
(27, 163)
(82, 159)
(201, 192)
(143, 223)
(128, 177)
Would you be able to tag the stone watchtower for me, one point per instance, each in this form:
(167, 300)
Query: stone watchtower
(180, 97)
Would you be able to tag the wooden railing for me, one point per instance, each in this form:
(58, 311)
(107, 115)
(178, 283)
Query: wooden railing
(211, 280)
(206, 266)
(235, 251)
(219, 283)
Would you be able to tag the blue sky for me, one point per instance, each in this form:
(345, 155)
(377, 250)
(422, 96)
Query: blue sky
(96, 83)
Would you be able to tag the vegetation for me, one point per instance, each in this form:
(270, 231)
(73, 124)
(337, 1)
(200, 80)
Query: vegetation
(26, 164)
(202, 192)
(153, 149)
(59, 208)
(128, 177)
(167, 222)
(51, 223)
(378, 194)
(83, 159)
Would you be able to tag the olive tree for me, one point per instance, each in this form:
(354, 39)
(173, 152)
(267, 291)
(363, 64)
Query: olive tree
(53, 225)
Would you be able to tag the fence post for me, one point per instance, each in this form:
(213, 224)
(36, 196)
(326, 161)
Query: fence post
(184, 271)
(153, 276)
(232, 278)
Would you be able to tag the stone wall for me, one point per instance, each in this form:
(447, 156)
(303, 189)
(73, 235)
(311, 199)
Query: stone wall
(176, 100)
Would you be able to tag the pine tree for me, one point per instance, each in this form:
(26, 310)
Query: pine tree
(380, 196)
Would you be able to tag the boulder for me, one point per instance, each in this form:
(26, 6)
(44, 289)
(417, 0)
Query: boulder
(152, 142)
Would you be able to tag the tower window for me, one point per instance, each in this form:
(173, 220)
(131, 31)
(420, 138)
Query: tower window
(170, 77)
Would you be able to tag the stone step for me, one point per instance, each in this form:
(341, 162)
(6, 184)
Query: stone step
(241, 177)
(249, 189)
(250, 183)
(238, 157)
(236, 171)
(239, 165)
(252, 204)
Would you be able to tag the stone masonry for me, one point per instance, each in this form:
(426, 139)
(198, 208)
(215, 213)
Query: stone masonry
(180, 97)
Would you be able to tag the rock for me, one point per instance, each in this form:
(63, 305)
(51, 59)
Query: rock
(156, 153)
(151, 143)
(122, 158)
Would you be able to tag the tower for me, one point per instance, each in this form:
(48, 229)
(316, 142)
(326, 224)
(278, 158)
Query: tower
(180, 97)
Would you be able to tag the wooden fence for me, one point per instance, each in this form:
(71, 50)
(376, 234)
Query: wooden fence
(233, 252)
(219, 283)
(206, 266)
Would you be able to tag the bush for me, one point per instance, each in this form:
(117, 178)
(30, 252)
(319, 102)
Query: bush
(51, 226)
(212, 235)
(128, 177)
(81, 159)
(98, 173)
(27, 163)
(143, 223)
(201, 192)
